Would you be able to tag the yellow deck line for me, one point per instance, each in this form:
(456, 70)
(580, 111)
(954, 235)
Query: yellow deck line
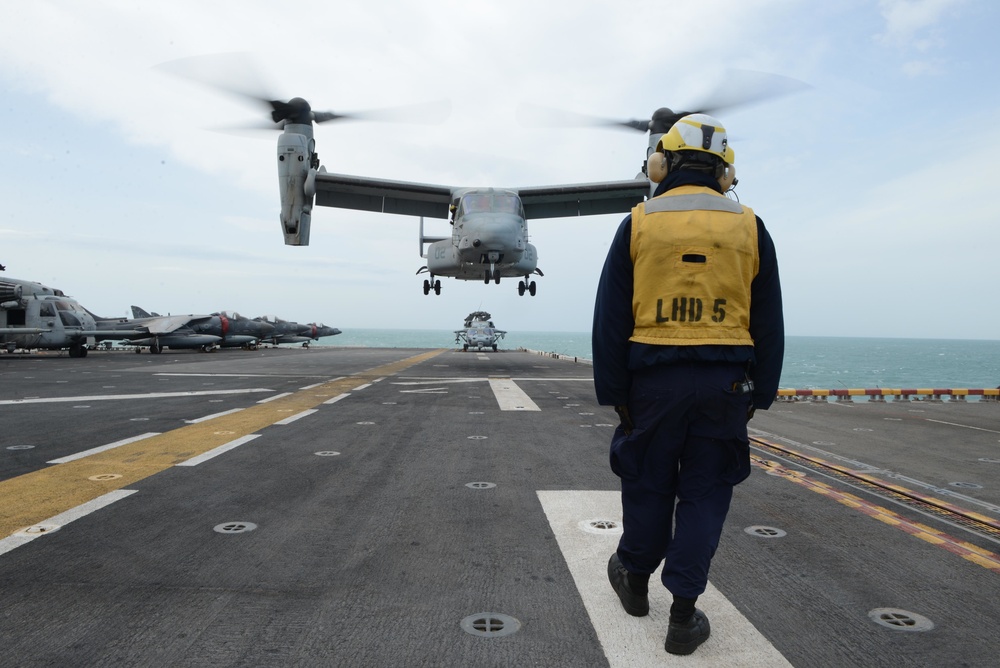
(33, 497)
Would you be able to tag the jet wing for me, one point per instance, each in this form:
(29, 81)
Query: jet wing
(583, 199)
(382, 196)
(163, 324)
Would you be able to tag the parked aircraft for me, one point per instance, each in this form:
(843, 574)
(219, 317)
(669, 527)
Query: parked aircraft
(292, 332)
(35, 316)
(479, 332)
(232, 329)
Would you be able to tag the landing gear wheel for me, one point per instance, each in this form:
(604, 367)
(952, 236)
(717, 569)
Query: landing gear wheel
(520, 288)
(437, 287)
(427, 287)
(496, 276)
(156, 349)
(531, 288)
(487, 277)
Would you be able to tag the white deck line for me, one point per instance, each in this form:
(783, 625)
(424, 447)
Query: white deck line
(212, 416)
(102, 448)
(297, 416)
(638, 641)
(510, 396)
(56, 522)
(215, 452)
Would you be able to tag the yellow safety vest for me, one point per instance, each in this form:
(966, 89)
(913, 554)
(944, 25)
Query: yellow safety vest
(694, 253)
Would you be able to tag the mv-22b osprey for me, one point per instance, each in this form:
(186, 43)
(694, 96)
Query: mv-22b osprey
(489, 238)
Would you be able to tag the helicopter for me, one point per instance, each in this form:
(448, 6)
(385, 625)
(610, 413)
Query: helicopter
(35, 316)
(479, 332)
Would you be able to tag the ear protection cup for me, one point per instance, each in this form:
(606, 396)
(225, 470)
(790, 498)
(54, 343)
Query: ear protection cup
(656, 167)
(728, 178)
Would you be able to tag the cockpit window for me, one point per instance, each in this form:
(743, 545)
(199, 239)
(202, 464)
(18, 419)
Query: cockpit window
(46, 310)
(69, 320)
(491, 202)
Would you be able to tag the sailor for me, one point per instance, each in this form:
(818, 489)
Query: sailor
(688, 341)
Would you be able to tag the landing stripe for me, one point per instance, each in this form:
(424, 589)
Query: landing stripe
(29, 498)
(215, 452)
(128, 397)
(510, 396)
(297, 416)
(638, 641)
(58, 521)
(102, 448)
(213, 416)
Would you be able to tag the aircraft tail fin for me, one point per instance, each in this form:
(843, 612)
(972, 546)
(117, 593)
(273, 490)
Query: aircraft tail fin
(140, 313)
(426, 239)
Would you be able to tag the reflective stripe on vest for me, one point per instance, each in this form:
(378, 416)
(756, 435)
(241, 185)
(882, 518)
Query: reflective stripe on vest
(694, 254)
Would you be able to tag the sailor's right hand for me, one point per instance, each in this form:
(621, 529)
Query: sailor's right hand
(626, 419)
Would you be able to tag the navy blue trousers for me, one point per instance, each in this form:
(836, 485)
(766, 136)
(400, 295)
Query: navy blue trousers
(687, 450)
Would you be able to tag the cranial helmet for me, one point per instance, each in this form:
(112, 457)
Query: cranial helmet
(698, 132)
(694, 132)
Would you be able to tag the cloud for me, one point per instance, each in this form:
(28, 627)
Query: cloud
(908, 22)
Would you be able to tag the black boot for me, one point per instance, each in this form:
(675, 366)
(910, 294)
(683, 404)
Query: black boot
(629, 587)
(684, 637)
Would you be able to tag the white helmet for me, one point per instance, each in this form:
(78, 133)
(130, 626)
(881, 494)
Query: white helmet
(698, 132)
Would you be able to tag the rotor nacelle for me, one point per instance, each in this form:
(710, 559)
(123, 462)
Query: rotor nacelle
(297, 163)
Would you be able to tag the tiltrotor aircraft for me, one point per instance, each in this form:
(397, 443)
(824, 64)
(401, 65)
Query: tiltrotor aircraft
(489, 238)
(479, 332)
(35, 316)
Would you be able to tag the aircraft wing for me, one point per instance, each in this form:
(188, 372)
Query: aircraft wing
(163, 324)
(382, 196)
(583, 199)
(432, 201)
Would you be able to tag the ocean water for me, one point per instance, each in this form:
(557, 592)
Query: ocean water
(811, 362)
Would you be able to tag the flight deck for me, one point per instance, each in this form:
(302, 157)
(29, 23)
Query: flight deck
(411, 507)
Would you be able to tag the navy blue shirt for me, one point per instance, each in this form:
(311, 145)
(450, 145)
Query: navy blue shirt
(615, 357)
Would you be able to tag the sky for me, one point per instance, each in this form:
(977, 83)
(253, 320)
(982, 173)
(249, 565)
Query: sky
(121, 184)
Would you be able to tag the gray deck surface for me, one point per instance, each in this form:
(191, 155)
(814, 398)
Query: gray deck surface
(274, 551)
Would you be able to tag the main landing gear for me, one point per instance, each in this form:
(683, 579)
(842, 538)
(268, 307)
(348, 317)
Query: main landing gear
(525, 285)
(435, 286)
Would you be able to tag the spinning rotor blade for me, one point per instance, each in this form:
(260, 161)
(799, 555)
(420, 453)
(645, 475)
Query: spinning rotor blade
(426, 113)
(237, 74)
(738, 88)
